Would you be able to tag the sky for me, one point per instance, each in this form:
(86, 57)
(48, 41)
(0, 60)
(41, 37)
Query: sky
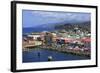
(34, 18)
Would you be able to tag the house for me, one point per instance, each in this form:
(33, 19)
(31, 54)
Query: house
(35, 36)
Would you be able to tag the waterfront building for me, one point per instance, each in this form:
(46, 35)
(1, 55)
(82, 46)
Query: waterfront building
(48, 39)
(54, 37)
(34, 36)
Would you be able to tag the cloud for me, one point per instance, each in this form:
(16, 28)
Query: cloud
(36, 18)
(61, 15)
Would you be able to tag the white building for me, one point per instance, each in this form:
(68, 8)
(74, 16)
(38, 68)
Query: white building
(34, 36)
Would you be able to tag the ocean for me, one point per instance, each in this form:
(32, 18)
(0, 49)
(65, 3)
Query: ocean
(30, 30)
(32, 56)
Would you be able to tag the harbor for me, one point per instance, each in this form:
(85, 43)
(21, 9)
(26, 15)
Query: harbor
(55, 36)
(44, 55)
(48, 41)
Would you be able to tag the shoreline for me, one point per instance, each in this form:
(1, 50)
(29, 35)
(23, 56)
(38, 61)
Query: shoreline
(67, 51)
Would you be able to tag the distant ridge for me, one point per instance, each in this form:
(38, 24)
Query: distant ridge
(67, 26)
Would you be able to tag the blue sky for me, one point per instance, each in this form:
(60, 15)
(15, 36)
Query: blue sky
(44, 18)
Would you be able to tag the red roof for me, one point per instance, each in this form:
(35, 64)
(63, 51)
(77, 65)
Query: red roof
(86, 39)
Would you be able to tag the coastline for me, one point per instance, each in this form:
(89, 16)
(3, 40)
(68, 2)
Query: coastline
(67, 51)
